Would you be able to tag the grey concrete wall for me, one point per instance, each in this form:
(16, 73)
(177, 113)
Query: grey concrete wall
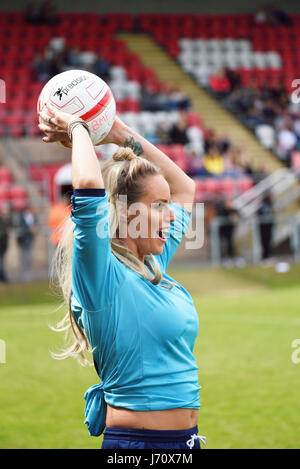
(162, 6)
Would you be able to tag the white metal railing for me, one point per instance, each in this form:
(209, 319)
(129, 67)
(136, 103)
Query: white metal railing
(284, 188)
(278, 182)
(251, 247)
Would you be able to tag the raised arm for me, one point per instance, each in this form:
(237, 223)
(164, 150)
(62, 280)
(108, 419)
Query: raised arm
(182, 187)
(96, 272)
(86, 170)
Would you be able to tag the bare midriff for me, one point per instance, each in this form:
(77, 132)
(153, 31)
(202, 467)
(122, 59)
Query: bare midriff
(169, 419)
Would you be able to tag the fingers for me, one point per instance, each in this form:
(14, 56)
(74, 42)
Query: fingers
(49, 120)
(51, 117)
(55, 137)
(46, 139)
(51, 109)
(50, 128)
(55, 120)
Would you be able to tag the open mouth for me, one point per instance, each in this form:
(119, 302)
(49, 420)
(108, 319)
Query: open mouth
(161, 235)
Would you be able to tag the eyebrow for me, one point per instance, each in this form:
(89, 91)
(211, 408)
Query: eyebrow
(162, 200)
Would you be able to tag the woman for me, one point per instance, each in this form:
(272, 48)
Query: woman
(140, 324)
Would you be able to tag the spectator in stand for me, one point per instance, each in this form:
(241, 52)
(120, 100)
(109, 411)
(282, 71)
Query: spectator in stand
(58, 213)
(261, 16)
(54, 60)
(242, 98)
(271, 107)
(286, 143)
(254, 117)
(224, 144)
(296, 127)
(150, 100)
(278, 17)
(213, 163)
(32, 13)
(101, 68)
(26, 231)
(210, 139)
(43, 68)
(232, 164)
(162, 132)
(5, 225)
(266, 224)
(73, 58)
(195, 164)
(241, 161)
(178, 100)
(272, 15)
(178, 132)
(48, 13)
(43, 14)
(229, 218)
(233, 78)
(220, 84)
(87, 60)
(57, 48)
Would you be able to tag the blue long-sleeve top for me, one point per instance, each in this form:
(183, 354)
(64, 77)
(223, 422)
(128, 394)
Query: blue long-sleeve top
(142, 334)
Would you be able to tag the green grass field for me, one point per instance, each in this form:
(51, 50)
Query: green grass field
(250, 386)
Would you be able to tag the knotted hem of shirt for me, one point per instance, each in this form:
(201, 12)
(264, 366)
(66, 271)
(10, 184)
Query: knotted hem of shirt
(95, 410)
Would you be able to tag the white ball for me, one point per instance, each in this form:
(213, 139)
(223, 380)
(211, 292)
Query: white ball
(82, 94)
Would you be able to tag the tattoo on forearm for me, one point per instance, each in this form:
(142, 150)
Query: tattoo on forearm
(135, 146)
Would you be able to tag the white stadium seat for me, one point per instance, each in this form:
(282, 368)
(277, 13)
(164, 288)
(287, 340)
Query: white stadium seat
(118, 73)
(266, 135)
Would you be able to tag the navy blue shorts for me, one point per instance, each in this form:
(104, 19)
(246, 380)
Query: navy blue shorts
(134, 438)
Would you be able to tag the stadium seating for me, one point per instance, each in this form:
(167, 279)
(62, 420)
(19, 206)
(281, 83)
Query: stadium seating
(200, 43)
(208, 188)
(11, 193)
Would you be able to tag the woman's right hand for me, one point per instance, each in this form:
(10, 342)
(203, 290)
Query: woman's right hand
(55, 124)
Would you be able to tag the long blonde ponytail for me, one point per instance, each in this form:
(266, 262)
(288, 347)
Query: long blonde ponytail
(122, 174)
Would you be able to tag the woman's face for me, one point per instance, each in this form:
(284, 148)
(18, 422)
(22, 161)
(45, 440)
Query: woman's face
(148, 218)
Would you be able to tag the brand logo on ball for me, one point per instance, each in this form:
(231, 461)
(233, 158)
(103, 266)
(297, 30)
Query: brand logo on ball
(58, 93)
(65, 90)
(97, 123)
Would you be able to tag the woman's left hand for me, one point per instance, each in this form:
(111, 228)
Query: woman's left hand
(55, 125)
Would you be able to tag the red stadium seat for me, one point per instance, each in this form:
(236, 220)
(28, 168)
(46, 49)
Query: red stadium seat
(211, 187)
(227, 186)
(120, 107)
(4, 193)
(16, 130)
(244, 184)
(295, 161)
(5, 176)
(17, 192)
(32, 130)
(19, 204)
(131, 105)
(193, 119)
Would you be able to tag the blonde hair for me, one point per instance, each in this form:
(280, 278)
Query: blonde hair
(124, 174)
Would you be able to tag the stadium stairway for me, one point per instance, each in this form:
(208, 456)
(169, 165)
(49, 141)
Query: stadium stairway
(212, 113)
